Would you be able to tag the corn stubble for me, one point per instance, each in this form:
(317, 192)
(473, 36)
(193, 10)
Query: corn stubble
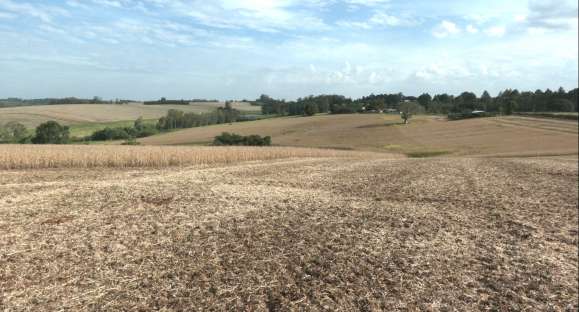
(300, 234)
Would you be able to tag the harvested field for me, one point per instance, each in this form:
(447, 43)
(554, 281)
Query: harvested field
(510, 136)
(334, 234)
(32, 116)
(91, 156)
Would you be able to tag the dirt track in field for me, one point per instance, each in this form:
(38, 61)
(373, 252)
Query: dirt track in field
(324, 234)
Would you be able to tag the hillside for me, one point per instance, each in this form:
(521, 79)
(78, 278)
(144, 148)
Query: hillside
(304, 234)
(426, 135)
(82, 114)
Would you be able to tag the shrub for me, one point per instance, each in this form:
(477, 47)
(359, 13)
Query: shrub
(51, 132)
(459, 116)
(235, 139)
(12, 132)
(108, 134)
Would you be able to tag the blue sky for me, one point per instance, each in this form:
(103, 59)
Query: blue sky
(234, 49)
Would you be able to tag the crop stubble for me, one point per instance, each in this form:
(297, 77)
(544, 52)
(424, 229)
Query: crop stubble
(315, 234)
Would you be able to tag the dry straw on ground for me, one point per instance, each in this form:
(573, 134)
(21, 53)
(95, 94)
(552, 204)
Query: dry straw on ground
(331, 234)
(91, 156)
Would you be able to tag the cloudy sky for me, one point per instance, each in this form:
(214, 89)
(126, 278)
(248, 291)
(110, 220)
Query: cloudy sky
(225, 49)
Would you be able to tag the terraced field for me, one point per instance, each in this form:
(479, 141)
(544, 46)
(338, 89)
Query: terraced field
(315, 234)
(501, 136)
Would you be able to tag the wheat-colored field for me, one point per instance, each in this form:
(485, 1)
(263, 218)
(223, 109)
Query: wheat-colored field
(91, 156)
(172, 228)
(425, 134)
(32, 116)
(299, 234)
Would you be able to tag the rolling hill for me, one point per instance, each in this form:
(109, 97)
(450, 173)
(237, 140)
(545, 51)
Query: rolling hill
(424, 136)
(77, 114)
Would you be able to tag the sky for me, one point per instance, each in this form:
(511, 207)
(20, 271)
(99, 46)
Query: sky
(239, 49)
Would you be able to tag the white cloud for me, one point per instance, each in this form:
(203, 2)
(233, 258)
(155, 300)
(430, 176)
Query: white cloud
(445, 29)
(471, 29)
(261, 15)
(111, 3)
(43, 12)
(381, 19)
(496, 31)
(367, 2)
(552, 14)
(520, 18)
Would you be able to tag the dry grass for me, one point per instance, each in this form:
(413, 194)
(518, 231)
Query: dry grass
(90, 156)
(373, 132)
(32, 116)
(293, 235)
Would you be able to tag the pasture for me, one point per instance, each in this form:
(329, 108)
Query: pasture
(425, 135)
(342, 232)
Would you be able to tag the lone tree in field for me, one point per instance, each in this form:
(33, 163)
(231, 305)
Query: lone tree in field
(51, 132)
(409, 109)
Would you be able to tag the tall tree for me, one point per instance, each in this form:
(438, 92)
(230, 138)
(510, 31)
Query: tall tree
(425, 99)
(486, 100)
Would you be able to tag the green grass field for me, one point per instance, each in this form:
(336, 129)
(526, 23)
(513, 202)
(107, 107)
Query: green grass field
(85, 129)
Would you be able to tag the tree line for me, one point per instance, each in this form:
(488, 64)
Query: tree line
(506, 102)
(14, 102)
(176, 119)
(164, 101)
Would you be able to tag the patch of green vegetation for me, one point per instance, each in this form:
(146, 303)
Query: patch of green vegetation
(393, 147)
(427, 153)
(200, 143)
(86, 129)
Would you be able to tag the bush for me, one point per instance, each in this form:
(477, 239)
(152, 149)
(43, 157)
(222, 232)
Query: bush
(13, 132)
(108, 134)
(51, 132)
(147, 131)
(459, 116)
(343, 110)
(235, 139)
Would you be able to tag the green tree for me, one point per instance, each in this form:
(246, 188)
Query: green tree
(139, 124)
(51, 132)
(12, 132)
(508, 107)
(408, 110)
(425, 100)
(486, 100)
(466, 101)
(310, 109)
